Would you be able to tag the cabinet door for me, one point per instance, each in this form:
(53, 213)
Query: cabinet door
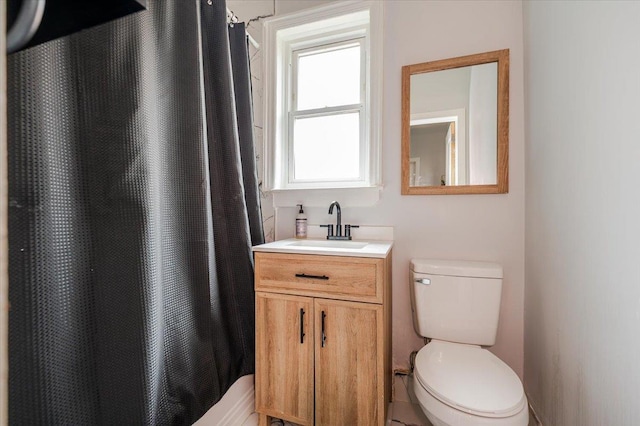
(349, 363)
(284, 357)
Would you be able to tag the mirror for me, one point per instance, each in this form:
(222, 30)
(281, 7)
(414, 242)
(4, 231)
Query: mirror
(455, 125)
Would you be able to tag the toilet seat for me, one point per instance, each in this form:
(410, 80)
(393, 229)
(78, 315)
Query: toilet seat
(470, 379)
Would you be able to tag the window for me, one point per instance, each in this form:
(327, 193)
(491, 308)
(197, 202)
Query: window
(326, 112)
(322, 71)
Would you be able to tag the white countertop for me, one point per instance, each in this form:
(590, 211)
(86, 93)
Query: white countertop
(323, 247)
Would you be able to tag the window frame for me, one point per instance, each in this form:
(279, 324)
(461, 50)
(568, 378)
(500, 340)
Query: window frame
(311, 29)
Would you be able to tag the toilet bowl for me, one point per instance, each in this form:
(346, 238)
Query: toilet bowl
(458, 384)
(456, 380)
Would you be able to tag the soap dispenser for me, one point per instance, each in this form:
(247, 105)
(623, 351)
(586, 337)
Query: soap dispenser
(301, 223)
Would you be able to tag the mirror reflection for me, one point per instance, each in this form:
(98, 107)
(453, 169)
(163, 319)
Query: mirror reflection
(434, 159)
(455, 114)
(447, 157)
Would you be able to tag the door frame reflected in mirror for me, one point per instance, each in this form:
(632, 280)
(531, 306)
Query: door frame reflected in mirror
(501, 57)
(458, 157)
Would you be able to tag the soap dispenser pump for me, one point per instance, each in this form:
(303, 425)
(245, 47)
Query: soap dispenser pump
(301, 223)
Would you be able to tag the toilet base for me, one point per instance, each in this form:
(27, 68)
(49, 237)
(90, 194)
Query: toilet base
(441, 414)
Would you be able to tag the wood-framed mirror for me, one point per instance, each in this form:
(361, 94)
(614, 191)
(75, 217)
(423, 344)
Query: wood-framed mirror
(455, 125)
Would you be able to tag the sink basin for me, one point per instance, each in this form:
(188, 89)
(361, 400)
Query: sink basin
(330, 244)
(324, 247)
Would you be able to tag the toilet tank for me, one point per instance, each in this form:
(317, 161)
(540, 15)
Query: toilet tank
(456, 301)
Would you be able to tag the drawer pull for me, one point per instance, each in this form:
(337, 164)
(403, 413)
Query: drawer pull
(313, 277)
(301, 326)
(324, 336)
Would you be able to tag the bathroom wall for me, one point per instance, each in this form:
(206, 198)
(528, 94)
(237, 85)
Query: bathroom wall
(582, 311)
(476, 227)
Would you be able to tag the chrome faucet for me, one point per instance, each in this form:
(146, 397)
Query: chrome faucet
(339, 223)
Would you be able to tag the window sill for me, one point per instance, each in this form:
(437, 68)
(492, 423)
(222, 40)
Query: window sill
(322, 197)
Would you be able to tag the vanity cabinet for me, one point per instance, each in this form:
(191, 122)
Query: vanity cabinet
(323, 334)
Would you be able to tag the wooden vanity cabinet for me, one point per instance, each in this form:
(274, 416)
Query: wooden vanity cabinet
(322, 356)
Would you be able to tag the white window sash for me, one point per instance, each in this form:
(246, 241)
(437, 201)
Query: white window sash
(320, 113)
(322, 48)
(294, 113)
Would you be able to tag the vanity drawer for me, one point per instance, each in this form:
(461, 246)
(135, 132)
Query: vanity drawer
(333, 277)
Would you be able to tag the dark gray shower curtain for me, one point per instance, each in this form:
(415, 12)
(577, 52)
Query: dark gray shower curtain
(132, 211)
(244, 108)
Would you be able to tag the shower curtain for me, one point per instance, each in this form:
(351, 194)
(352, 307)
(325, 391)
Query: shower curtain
(133, 206)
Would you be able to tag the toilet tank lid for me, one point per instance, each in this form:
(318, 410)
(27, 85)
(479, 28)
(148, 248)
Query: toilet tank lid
(457, 268)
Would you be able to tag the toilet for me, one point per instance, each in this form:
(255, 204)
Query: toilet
(457, 381)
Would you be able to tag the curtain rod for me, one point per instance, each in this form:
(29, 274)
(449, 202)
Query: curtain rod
(233, 19)
(26, 24)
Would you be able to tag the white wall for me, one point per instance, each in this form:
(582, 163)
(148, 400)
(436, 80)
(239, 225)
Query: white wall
(476, 227)
(582, 323)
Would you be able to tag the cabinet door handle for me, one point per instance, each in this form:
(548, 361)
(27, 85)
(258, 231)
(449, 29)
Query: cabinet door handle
(324, 335)
(313, 277)
(301, 326)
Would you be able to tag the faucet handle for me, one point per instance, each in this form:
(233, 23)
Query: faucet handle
(347, 230)
(329, 230)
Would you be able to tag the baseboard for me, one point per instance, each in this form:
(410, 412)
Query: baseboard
(234, 408)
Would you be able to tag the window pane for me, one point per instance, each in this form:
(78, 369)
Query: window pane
(327, 147)
(329, 78)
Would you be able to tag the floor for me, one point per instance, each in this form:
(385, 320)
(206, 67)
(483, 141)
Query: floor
(404, 410)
